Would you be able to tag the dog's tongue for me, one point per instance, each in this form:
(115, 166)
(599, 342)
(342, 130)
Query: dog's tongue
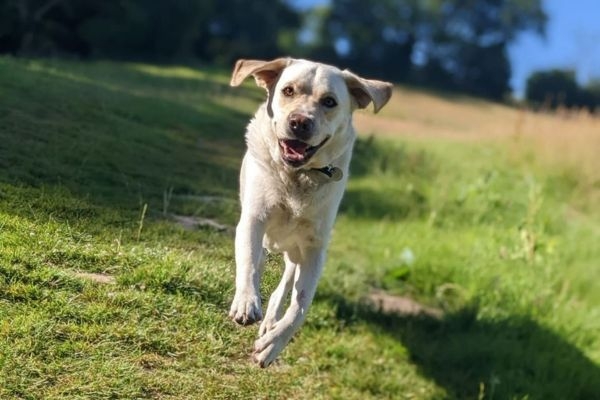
(294, 148)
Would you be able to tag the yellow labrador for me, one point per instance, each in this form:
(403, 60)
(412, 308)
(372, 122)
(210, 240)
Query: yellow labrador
(291, 183)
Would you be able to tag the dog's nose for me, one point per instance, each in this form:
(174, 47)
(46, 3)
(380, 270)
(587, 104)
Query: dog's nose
(301, 126)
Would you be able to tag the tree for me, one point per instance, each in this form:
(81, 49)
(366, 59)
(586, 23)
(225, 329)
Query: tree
(470, 38)
(591, 95)
(43, 27)
(371, 37)
(452, 44)
(240, 28)
(147, 30)
(163, 30)
(458, 44)
(554, 88)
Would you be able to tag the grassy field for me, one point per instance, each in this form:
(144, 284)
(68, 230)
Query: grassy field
(118, 194)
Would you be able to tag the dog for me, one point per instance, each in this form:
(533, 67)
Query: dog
(292, 180)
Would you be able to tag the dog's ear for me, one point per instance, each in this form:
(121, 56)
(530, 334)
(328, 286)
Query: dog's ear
(365, 91)
(265, 72)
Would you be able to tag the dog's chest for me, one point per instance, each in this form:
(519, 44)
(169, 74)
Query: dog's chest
(296, 218)
(299, 194)
(285, 231)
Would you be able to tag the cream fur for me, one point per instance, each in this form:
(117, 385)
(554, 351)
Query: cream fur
(289, 209)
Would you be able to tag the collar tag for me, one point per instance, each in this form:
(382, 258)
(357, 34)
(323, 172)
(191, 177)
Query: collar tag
(333, 173)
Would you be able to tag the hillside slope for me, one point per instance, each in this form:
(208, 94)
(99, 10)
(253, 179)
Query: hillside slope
(118, 194)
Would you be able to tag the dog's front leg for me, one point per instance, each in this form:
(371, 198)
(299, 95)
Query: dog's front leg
(249, 259)
(307, 273)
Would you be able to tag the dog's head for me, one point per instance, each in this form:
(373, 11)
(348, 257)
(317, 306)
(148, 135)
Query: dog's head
(310, 106)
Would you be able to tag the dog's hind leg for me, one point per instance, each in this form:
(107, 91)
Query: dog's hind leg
(277, 300)
(306, 276)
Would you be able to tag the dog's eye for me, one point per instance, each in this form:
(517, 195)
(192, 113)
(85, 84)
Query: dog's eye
(329, 102)
(288, 91)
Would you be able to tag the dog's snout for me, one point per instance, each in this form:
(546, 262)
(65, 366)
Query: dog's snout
(301, 126)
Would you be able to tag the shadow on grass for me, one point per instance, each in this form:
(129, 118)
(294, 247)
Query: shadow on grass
(382, 158)
(512, 358)
(388, 177)
(393, 204)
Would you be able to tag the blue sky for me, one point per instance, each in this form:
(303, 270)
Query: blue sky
(572, 41)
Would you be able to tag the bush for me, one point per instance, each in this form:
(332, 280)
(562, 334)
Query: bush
(554, 88)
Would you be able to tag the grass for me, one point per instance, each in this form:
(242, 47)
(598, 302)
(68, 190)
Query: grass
(488, 213)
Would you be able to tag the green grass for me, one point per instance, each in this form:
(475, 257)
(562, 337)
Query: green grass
(96, 158)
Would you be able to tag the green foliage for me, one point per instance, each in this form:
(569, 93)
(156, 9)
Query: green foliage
(458, 226)
(451, 44)
(456, 45)
(554, 88)
(216, 31)
(134, 29)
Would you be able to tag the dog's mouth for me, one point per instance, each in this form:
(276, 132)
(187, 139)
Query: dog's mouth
(296, 152)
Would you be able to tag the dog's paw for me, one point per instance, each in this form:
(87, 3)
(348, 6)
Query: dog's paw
(245, 310)
(266, 325)
(266, 357)
(270, 344)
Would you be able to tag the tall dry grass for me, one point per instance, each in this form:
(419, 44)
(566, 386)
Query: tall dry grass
(562, 141)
